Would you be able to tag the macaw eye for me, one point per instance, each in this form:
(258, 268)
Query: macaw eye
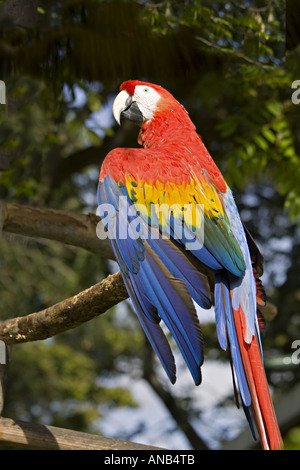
(146, 90)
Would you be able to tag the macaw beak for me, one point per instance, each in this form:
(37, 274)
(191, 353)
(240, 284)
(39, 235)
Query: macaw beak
(125, 107)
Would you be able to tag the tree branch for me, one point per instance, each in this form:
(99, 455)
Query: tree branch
(67, 314)
(72, 229)
(232, 52)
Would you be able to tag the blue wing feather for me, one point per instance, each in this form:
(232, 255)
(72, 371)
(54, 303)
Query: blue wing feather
(177, 262)
(155, 290)
(150, 320)
(220, 314)
(224, 311)
(170, 315)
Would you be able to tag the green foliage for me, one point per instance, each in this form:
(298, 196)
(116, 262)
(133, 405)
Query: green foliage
(43, 129)
(61, 386)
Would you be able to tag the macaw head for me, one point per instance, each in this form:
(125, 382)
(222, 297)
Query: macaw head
(160, 116)
(141, 101)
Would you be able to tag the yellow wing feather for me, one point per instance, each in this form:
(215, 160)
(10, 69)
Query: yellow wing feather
(185, 200)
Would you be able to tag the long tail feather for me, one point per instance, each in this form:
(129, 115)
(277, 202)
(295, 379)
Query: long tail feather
(247, 364)
(223, 308)
(262, 406)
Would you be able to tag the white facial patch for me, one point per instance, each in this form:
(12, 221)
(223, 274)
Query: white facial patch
(146, 99)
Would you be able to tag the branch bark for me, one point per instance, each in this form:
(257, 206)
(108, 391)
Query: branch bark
(67, 314)
(71, 229)
(38, 436)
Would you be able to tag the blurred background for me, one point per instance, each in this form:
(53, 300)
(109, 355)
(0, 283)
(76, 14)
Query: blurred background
(232, 65)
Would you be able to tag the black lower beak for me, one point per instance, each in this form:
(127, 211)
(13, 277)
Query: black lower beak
(132, 113)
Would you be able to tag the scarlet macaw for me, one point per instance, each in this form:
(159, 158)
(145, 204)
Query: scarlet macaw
(196, 249)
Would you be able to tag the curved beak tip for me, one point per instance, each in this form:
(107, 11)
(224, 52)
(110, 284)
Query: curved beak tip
(120, 104)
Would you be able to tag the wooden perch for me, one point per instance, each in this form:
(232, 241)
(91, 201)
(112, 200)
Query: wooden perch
(38, 436)
(66, 314)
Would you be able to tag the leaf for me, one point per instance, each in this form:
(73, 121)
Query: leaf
(250, 149)
(260, 141)
(274, 107)
(268, 134)
(289, 152)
